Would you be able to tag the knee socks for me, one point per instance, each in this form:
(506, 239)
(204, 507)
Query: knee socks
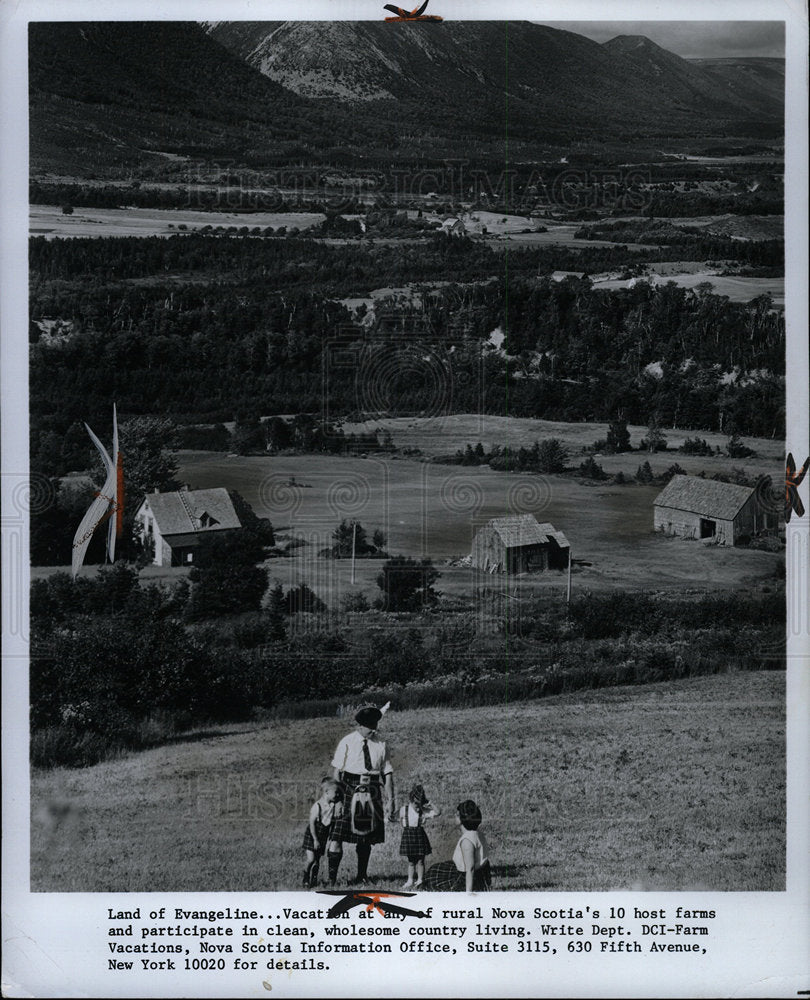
(333, 860)
(311, 875)
(363, 854)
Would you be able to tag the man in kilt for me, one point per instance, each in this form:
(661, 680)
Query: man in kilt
(361, 762)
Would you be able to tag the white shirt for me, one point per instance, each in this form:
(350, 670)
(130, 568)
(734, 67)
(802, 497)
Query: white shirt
(349, 755)
(413, 815)
(480, 850)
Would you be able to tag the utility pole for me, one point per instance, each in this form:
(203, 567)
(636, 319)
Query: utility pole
(354, 540)
(568, 588)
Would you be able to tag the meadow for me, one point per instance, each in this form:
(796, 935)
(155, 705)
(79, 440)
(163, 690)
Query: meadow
(677, 785)
(434, 510)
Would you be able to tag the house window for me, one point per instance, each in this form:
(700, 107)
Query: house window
(189, 557)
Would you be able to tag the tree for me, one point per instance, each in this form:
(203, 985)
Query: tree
(277, 434)
(248, 435)
(225, 576)
(551, 456)
(149, 462)
(276, 610)
(644, 473)
(618, 438)
(656, 440)
(344, 534)
(406, 584)
(379, 539)
(260, 526)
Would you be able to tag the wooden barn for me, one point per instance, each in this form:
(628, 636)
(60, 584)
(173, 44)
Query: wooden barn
(519, 544)
(691, 507)
(176, 521)
(453, 227)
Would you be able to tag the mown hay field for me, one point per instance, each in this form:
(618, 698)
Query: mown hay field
(434, 510)
(670, 786)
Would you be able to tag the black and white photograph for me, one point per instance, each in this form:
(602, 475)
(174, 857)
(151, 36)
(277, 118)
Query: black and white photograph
(414, 488)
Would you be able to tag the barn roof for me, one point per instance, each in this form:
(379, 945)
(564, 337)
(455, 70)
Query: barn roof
(522, 529)
(183, 511)
(707, 497)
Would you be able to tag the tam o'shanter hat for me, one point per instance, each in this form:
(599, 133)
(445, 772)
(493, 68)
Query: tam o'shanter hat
(369, 715)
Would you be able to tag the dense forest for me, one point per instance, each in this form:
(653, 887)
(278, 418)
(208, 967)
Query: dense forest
(208, 329)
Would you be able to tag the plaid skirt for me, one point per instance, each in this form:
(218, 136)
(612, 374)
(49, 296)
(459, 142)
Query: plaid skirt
(445, 877)
(414, 843)
(342, 827)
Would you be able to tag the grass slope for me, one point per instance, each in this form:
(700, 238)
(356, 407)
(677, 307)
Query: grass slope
(673, 786)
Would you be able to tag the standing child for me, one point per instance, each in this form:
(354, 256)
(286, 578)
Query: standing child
(415, 844)
(322, 818)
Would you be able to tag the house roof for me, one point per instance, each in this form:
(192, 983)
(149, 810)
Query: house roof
(185, 511)
(523, 529)
(452, 223)
(707, 497)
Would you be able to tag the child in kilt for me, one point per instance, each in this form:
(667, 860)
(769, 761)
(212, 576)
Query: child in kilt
(469, 868)
(322, 818)
(415, 844)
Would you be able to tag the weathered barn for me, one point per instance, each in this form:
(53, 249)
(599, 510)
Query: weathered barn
(176, 522)
(691, 507)
(518, 544)
(453, 227)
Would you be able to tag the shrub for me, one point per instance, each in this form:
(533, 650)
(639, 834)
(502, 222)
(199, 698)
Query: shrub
(644, 473)
(406, 584)
(736, 449)
(591, 469)
(355, 602)
(673, 470)
(302, 598)
(696, 446)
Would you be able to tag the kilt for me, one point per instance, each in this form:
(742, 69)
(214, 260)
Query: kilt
(415, 843)
(342, 827)
(445, 877)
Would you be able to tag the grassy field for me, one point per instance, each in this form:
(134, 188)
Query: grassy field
(48, 220)
(670, 786)
(434, 510)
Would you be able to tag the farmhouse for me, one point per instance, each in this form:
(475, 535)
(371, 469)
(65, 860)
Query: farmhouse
(177, 521)
(453, 227)
(691, 507)
(518, 544)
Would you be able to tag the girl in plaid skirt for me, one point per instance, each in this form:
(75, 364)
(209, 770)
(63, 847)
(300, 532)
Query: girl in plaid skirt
(469, 869)
(415, 844)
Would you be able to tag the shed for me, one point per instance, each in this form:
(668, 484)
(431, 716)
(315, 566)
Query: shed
(692, 507)
(453, 227)
(177, 521)
(519, 544)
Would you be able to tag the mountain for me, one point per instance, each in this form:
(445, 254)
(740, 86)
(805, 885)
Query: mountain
(758, 79)
(114, 98)
(551, 79)
(754, 86)
(121, 94)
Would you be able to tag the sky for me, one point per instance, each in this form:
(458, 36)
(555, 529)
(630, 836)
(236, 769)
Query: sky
(692, 39)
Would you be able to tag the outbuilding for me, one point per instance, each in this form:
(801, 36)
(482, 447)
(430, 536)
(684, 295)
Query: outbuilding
(453, 227)
(519, 544)
(692, 507)
(175, 522)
